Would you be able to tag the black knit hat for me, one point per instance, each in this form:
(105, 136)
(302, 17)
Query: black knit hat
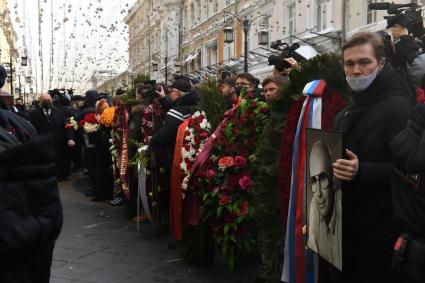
(182, 85)
(3, 76)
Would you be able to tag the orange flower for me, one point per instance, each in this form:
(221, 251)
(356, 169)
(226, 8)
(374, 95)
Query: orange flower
(107, 117)
(225, 162)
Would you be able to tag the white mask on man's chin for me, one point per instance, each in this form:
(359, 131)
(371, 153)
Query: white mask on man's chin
(358, 84)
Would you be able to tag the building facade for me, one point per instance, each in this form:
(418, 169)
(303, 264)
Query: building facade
(154, 36)
(206, 51)
(190, 34)
(8, 52)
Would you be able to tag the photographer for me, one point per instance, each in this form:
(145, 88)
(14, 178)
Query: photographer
(184, 99)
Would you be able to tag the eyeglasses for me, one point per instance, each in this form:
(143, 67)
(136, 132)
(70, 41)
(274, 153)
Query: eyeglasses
(321, 181)
(244, 84)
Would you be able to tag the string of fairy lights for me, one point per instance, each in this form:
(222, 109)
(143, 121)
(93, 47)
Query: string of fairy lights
(66, 41)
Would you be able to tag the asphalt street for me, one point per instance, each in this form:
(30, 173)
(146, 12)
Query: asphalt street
(99, 244)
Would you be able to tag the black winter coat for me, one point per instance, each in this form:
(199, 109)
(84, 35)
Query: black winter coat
(408, 184)
(55, 125)
(375, 116)
(30, 211)
(166, 136)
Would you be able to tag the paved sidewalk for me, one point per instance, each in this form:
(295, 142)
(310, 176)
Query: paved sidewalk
(98, 244)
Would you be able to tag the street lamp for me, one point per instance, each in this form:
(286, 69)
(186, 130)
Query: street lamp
(228, 34)
(24, 61)
(155, 67)
(246, 24)
(177, 68)
(263, 37)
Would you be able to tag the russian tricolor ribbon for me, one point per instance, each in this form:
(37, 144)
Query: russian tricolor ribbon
(300, 265)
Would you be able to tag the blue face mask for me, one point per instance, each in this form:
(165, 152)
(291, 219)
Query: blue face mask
(358, 84)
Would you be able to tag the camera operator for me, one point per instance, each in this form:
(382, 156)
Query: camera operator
(403, 51)
(408, 58)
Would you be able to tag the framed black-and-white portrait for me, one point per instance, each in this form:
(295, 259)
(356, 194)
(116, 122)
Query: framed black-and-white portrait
(323, 195)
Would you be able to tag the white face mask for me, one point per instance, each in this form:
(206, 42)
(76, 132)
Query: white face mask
(361, 83)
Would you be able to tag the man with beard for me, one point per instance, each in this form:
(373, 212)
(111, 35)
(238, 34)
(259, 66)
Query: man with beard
(49, 119)
(229, 92)
(381, 106)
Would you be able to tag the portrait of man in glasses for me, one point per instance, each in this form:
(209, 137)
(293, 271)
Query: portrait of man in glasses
(324, 214)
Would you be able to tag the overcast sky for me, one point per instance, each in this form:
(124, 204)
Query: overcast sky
(88, 36)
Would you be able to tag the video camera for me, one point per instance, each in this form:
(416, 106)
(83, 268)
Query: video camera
(298, 52)
(408, 15)
(287, 51)
(148, 91)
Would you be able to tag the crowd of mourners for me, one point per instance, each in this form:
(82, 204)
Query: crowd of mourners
(101, 135)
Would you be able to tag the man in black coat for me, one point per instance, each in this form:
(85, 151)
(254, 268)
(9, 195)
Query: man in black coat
(408, 188)
(49, 119)
(381, 106)
(184, 99)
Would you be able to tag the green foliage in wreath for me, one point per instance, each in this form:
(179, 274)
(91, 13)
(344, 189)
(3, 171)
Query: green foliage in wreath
(270, 233)
(211, 102)
(323, 67)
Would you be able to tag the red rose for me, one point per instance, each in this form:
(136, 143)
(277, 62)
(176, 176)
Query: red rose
(225, 162)
(211, 173)
(245, 183)
(204, 135)
(224, 199)
(249, 95)
(253, 104)
(197, 127)
(91, 118)
(239, 161)
(264, 110)
(244, 208)
(187, 147)
(81, 123)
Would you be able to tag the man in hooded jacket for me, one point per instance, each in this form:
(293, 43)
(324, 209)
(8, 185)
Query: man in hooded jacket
(381, 105)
